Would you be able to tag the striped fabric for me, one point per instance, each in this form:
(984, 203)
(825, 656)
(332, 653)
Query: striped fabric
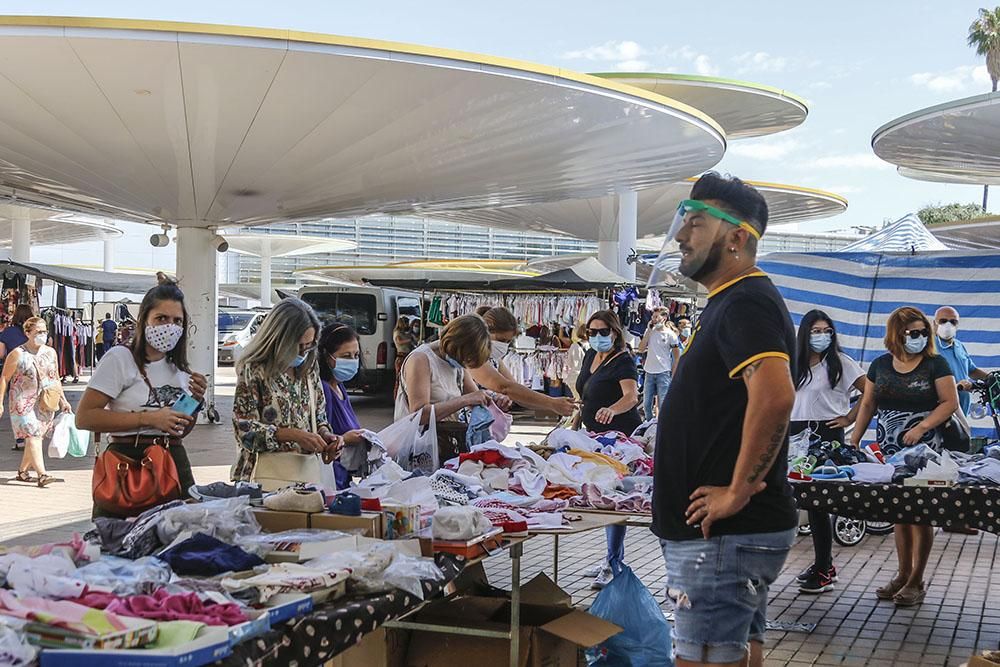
(859, 290)
(908, 234)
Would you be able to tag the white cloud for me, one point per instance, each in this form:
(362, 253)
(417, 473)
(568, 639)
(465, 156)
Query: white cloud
(632, 65)
(703, 66)
(844, 189)
(820, 85)
(608, 51)
(760, 61)
(850, 161)
(958, 79)
(765, 149)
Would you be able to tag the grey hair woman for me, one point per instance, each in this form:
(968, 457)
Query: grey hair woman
(279, 404)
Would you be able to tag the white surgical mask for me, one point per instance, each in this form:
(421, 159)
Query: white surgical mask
(915, 345)
(819, 342)
(686, 332)
(500, 349)
(947, 331)
(41, 338)
(164, 337)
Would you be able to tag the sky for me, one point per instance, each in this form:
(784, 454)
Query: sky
(858, 64)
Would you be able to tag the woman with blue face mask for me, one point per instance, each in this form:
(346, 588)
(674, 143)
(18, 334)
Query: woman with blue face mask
(608, 386)
(824, 380)
(340, 361)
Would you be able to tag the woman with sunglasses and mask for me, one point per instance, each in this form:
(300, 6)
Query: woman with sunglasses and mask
(824, 379)
(608, 386)
(913, 392)
(279, 404)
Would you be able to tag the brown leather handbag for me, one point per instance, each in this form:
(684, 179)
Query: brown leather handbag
(125, 486)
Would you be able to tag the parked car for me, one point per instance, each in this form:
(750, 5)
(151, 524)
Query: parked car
(236, 328)
(372, 312)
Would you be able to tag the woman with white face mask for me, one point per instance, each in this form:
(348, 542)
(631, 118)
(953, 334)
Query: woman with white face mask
(824, 379)
(29, 370)
(913, 391)
(340, 361)
(133, 390)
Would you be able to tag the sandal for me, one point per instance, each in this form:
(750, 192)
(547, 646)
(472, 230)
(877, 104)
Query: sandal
(909, 596)
(45, 480)
(888, 592)
(24, 476)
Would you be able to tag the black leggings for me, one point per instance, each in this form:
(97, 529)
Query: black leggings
(177, 453)
(819, 522)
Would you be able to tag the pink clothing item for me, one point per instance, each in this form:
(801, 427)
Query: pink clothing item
(162, 606)
(75, 549)
(61, 614)
(592, 496)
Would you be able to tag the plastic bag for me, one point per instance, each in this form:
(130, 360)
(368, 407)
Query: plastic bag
(501, 422)
(645, 637)
(399, 435)
(123, 576)
(798, 445)
(409, 572)
(422, 453)
(59, 444)
(79, 441)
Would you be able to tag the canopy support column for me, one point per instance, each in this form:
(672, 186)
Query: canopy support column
(21, 234)
(109, 261)
(197, 271)
(265, 273)
(617, 233)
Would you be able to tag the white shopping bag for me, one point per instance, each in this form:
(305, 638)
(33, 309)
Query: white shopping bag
(59, 444)
(408, 446)
(400, 434)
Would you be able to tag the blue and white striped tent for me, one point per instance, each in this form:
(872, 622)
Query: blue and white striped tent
(860, 289)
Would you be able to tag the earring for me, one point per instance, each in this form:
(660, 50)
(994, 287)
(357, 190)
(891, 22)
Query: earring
(732, 250)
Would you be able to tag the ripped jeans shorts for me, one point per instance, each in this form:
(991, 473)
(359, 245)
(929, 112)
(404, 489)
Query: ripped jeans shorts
(722, 585)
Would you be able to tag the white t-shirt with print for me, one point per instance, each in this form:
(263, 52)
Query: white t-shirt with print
(118, 378)
(816, 400)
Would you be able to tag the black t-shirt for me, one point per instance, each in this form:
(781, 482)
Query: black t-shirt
(701, 426)
(909, 392)
(603, 389)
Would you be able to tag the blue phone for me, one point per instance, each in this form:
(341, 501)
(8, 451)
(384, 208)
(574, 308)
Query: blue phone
(186, 404)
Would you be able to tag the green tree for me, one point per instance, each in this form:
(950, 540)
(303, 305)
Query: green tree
(939, 214)
(984, 35)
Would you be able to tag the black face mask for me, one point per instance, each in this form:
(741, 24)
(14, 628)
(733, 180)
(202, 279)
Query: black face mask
(711, 262)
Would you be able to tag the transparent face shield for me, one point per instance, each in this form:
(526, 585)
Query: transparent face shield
(667, 263)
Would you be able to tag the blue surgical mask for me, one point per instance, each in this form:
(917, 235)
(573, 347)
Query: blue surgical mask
(820, 342)
(298, 361)
(915, 345)
(601, 343)
(453, 362)
(346, 369)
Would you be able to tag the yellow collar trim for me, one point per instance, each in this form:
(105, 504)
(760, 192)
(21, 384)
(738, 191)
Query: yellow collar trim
(724, 286)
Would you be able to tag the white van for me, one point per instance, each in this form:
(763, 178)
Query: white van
(372, 312)
(236, 328)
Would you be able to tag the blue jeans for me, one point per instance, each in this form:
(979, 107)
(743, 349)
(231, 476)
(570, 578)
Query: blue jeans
(616, 546)
(723, 583)
(655, 385)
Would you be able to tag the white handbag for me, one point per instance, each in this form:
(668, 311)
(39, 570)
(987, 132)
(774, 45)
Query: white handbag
(276, 470)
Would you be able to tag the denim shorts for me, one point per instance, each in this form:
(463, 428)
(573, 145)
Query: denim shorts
(723, 584)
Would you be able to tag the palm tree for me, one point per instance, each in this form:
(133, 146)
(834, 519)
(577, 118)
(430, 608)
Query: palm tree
(984, 34)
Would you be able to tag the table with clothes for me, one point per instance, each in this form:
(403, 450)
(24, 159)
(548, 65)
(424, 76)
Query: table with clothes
(949, 489)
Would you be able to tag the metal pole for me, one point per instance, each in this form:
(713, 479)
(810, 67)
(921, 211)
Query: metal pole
(515, 604)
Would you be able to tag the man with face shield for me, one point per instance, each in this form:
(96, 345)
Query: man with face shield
(946, 321)
(722, 443)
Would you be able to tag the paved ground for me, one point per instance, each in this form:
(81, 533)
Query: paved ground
(959, 617)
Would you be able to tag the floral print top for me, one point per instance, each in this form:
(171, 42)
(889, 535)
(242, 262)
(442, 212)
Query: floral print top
(263, 405)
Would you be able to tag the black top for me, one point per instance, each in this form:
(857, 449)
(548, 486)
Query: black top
(602, 389)
(701, 426)
(909, 392)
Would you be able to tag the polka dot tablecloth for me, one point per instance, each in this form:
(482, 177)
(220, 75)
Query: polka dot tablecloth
(958, 506)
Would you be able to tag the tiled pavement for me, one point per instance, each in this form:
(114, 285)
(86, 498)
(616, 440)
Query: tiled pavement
(852, 627)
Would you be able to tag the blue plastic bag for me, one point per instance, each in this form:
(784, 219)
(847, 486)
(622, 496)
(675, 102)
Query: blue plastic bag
(645, 637)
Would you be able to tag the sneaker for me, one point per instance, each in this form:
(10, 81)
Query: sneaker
(220, 490)
(595, 570)
(603, 578)
(292, 499)
(346, 504)
(818, 582)
(811, 570)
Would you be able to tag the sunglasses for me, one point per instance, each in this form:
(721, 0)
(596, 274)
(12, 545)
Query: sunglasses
(599, 332)
(947, 321)
(916, 333)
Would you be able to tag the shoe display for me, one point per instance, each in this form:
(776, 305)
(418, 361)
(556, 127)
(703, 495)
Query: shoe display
(346, 504)
(817, 582)
(294, 499)
(603, 578)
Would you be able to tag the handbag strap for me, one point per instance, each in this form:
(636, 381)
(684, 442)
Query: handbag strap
(152, 392)
(312, 401)
(38, 371)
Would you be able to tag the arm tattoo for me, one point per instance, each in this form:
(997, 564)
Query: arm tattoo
(773, 446)
(750, 370)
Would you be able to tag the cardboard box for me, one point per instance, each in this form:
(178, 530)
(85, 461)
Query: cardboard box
(551, 636)
(400, 520)
(259, 623)
(371, 652)
(980, 661)
(285, 606)
(211, 646)
(369, 523)
(275, 522)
